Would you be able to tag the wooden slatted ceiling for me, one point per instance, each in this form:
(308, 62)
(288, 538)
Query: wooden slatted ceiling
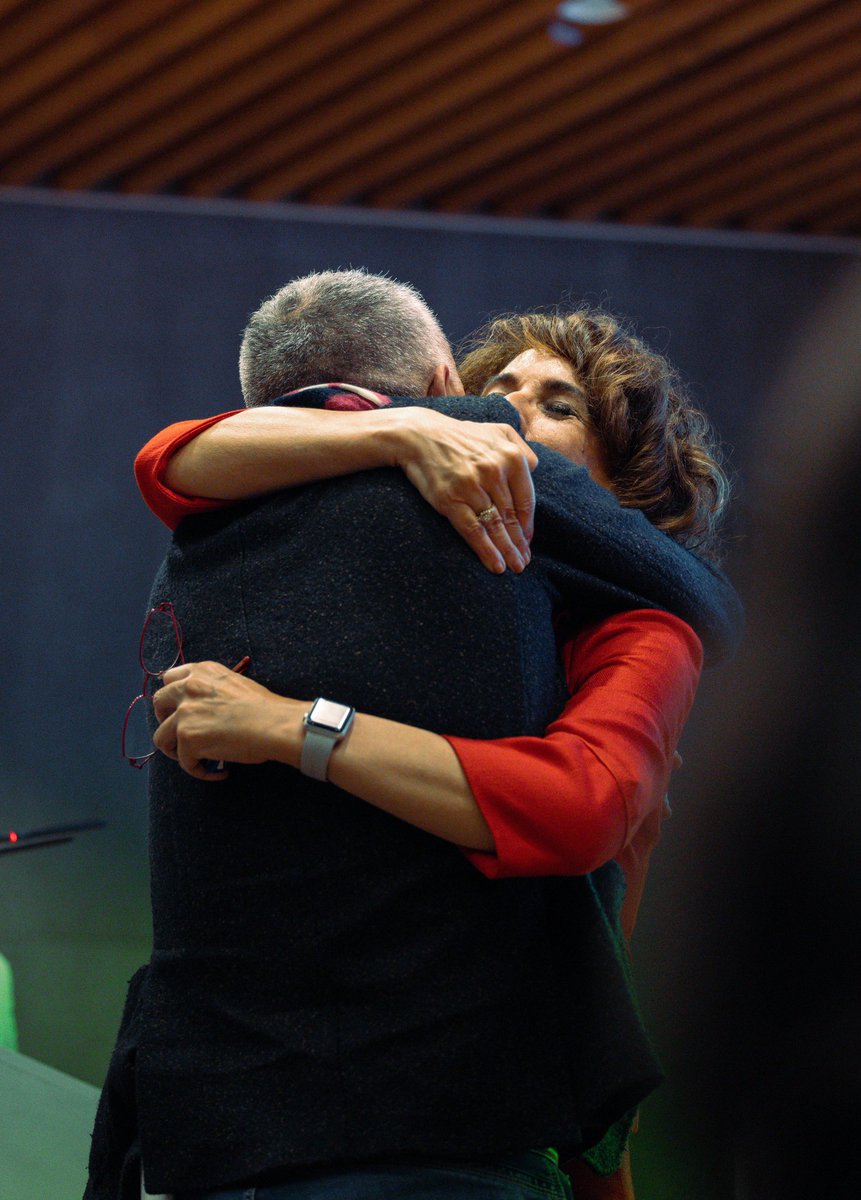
(710, 113)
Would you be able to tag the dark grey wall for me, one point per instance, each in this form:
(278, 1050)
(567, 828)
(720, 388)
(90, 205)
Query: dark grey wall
(120, 315)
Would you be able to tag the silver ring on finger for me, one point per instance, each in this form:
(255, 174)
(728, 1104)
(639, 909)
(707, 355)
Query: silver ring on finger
(488, 514)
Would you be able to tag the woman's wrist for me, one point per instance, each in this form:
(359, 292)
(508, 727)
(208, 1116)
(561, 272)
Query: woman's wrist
(394, 434)
(282, 730)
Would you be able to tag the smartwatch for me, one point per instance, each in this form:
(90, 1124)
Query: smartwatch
(325, 725)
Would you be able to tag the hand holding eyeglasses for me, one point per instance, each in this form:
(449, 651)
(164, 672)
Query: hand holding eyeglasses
(209, 715)
(160, 649)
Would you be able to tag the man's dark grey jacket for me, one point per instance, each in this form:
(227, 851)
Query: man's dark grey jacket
(329, 984)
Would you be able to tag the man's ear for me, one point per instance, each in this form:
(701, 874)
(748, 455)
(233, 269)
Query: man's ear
(445, 381)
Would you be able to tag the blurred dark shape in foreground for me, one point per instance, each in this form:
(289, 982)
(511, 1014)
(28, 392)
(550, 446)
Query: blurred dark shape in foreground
(769, 958)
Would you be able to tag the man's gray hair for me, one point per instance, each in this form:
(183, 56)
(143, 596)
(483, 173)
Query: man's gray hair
(341, 327)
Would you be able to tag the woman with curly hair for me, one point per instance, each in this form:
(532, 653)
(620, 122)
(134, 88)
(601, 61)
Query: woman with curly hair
(651, 447)
(593, 788)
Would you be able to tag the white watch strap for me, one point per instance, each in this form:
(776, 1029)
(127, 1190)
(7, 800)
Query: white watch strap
(316, 751)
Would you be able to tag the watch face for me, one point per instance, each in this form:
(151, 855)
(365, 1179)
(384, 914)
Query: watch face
(330, 715)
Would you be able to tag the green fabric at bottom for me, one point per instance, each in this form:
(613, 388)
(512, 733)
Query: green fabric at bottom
(8, 1027)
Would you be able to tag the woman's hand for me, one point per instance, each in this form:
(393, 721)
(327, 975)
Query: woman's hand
(209, 714)
(464, 467)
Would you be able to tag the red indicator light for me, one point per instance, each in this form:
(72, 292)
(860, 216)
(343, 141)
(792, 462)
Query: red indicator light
(13, 836)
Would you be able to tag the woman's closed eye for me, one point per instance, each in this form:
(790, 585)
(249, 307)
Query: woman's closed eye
(561, 408)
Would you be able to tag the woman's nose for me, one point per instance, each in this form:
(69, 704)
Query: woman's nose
(520, 401)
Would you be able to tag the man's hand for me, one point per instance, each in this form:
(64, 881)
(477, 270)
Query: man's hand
(464, 467)
(209, 714)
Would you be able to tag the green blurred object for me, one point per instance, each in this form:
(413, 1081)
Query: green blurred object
(8, 1027)
(45, 1123)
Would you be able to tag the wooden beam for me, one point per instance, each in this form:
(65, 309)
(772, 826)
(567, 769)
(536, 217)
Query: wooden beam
(532, 74)
(102, 102)
(294, 157)
(13, 7)
(631, 61)
(805, 187)
(649, 125)
(23, 33)
(842, 217)
(809, 119)
(712, 138)
(35, 80)
(795, 217)
(491, 92)
(387, 63)
(229, 76)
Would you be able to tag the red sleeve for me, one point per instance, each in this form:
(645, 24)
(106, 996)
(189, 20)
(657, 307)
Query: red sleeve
(151, 465)
(569, 802)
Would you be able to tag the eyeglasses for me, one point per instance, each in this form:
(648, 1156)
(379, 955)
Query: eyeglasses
(160, 649)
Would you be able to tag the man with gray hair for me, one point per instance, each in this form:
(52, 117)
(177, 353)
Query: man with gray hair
(347, 326)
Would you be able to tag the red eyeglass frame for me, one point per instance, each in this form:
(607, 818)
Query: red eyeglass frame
(139, 761)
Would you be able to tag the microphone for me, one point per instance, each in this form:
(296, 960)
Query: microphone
(52, 835)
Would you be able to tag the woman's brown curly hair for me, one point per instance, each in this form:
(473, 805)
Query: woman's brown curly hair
(661, 454)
